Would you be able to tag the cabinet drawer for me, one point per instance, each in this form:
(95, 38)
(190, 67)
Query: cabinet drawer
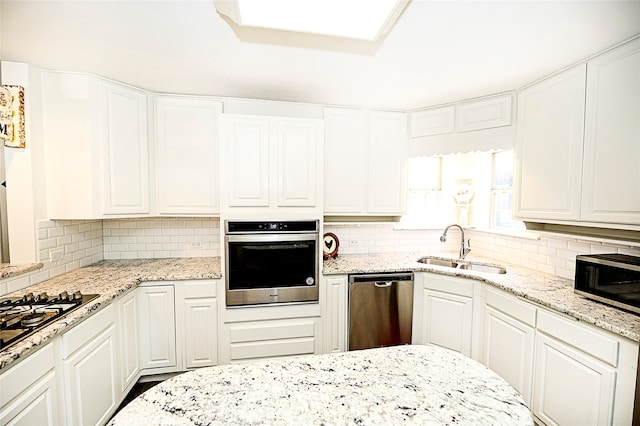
(452, 285)
(595, 344)
(265, 339)
(197, 290)
(269, 330)
(75, 338)
(511, 306)
(18, 378)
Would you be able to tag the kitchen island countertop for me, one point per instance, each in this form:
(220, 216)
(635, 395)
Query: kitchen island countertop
(417, 384)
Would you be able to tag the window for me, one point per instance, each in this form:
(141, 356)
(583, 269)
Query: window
(501, 192)
(435, 185)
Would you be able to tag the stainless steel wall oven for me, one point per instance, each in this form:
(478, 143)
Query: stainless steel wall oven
(271, 262)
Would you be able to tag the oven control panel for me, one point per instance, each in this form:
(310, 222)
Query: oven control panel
(237, 227)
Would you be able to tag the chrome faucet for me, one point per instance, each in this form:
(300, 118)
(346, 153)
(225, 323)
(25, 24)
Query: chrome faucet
(463, 251)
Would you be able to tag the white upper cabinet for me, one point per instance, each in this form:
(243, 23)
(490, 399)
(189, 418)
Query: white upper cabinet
(433, 121)
(476, 114)
(187, 155)
(578, 144)
(611, 169)
(345, 160)
(388, 157)
(271, 162)
(548, 150)
(484, 114)
(365, 162)
(96, 147)
(126, 149)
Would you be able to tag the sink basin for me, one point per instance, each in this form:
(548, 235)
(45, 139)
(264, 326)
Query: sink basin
(438, 262)
(466, 265)
(476, 267)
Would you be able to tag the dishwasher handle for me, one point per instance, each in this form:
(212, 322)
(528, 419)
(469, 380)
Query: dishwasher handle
(381, 278)
(383, 284)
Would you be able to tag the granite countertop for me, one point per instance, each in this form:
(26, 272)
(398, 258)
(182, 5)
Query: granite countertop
(8, 270)
(544, 289)
(419, 384)
(110, 279)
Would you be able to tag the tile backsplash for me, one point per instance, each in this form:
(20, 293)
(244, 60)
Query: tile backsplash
(161, 238)
(63, 246)
(550, 253)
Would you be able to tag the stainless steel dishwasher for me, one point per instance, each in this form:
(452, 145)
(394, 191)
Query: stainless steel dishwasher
(380, 310)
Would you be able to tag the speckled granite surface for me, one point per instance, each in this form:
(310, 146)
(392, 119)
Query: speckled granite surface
(110, 279)
(418, 384)
(547, 290)
(8, 270)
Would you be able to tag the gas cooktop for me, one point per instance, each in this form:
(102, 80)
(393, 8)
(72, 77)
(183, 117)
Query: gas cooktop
(21, 317)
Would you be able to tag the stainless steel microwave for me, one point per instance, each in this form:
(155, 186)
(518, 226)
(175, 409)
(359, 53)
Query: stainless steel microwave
(613, 279)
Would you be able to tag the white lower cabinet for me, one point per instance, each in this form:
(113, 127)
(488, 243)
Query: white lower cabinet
(572, 388)
(89, 368)
(157, 326)
(509, 337)
(568, 373)
(335, 313)
(447, 313)
(582, 374)
(178, 325)
(272, 339)
(198, 323)
(127, 328)
(28, 391)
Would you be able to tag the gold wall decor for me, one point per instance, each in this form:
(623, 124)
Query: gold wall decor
(12, 130)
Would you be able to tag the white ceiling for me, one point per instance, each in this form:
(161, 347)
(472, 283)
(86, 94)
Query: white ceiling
(437, 52)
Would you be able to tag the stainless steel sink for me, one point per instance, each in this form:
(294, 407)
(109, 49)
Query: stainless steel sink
(476, 267)
(438, 262)
(463, 264)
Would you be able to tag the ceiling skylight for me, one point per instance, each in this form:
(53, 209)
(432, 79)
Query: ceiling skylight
(358, 19)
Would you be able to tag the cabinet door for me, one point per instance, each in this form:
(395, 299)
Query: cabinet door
(37, 406)
(187, 169)
(201, 332)
(388, 157)
(484, 114)
(90, 381)
(128, 339)
(335, 318)
(447, 321)
(435, 121)
(125, 150)
(156, 326)
(611, 188)
(345, 158)
(549, 140)
(571, 387)
(509, 350)
(298, 147)
(246, 162)
(28, 391)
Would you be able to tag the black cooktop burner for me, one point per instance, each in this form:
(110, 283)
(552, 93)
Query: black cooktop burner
(21, 317)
